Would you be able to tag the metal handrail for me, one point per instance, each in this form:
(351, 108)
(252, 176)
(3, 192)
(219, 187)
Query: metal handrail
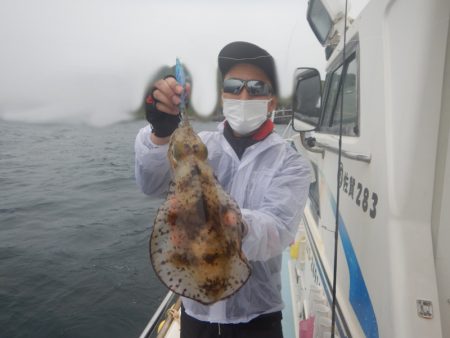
(345, 153)
(157, 315)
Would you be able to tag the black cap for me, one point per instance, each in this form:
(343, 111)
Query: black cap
(245, 52)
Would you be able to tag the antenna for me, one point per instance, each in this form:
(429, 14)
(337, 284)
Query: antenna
(336, 233)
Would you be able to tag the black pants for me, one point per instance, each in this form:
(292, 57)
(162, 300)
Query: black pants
(264, 326)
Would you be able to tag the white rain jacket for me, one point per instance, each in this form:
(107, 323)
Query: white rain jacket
(270, 184)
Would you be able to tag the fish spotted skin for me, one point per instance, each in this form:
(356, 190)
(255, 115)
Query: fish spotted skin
(195, 246)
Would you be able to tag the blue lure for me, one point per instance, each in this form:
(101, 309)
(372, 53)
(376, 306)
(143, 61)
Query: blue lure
(181, 79)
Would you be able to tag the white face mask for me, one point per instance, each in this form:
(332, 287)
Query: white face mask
(245, 116)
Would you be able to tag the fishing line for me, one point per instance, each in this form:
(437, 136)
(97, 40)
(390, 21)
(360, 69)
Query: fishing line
(336, 233)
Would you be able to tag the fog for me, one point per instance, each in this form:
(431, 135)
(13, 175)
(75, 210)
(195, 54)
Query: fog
(90, 61)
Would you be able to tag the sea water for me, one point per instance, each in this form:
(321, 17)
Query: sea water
(74, 231)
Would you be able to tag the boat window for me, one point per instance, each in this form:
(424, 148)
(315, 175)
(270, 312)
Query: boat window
(332, 113)
(350, 106)
(333, 88)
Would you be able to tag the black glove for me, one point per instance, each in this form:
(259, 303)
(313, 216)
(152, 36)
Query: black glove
(163, 124)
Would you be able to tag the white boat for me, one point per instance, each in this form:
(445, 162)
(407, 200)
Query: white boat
(393, 191)
(392, 259)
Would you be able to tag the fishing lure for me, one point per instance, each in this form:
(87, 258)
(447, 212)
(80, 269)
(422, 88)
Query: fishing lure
(181, 79)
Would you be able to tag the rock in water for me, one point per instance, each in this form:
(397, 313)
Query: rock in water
(195, 246)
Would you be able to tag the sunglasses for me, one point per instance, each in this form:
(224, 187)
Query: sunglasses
(254, 87)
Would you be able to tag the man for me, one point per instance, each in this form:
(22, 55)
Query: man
(267, 178)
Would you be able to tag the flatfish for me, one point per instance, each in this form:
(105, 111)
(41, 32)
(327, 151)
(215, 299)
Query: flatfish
(195, 245)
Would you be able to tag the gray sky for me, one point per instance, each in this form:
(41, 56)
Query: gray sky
(89, 61)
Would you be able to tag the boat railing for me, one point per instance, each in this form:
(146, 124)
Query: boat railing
(151, 328)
